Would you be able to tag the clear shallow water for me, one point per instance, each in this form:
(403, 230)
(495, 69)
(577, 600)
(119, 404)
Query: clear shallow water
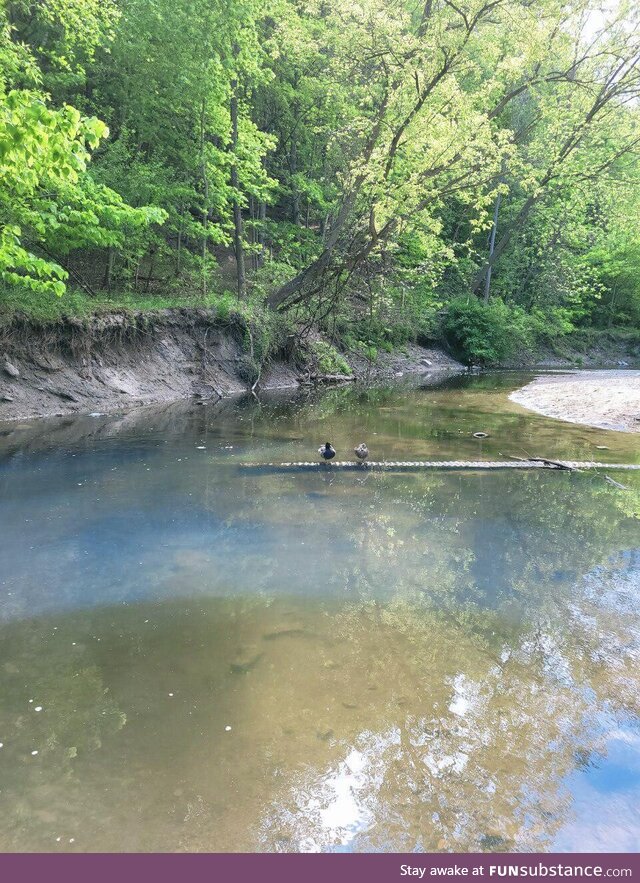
(418, 661)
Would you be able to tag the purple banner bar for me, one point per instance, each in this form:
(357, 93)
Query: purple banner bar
(268, 868)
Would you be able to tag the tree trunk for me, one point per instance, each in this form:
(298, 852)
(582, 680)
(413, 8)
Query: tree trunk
(252, 220)
(293, 157)
(205, 201)
(152, 264)
(179, 247)
(492, 246)
(108, 273)
(295, 195)
(237, 211)
(262, 217)
(503, 243)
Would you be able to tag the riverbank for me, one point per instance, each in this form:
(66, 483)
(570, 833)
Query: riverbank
(591, 348)
(604, 399)
(111, 362)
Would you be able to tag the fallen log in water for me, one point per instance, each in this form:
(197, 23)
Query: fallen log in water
(557, 464)
(621, 487)
(417, 465)
(327, 378)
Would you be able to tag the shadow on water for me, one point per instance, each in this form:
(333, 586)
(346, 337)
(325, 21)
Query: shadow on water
(205, 659)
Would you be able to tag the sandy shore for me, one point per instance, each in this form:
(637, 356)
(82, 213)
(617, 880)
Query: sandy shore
(605, 399)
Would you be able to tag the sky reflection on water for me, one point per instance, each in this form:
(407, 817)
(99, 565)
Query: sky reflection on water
(226, 660)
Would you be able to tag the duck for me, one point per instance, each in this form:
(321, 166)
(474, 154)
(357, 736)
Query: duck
(327, 451)
(361, 452)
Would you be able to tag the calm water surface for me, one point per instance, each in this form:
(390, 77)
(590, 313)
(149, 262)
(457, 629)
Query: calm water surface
(200, 657)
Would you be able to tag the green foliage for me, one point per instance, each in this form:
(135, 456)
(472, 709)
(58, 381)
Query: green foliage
(486, 334)
(328, 359)
(170, 119)
(354, 156)
(248, 369)
(19, 302)
(48, 201)
(616, 266)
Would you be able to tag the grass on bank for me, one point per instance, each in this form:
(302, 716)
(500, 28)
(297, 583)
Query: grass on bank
(46, 309)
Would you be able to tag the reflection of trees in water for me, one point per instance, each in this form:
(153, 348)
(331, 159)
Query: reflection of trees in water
(493, 540)
(389, 725)
(475, 730)
(488, 684)
(460, 671)
(482, 709)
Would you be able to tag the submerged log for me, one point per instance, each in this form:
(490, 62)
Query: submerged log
(554, 464)
(419, 465)
(622, 487)
(331, 378)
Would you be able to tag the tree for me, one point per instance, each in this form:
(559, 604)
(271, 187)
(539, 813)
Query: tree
(592, 132)
(459, 90)
(183, 116)
(367, 162)
(48, 201)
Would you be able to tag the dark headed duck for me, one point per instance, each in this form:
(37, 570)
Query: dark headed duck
(327, 451)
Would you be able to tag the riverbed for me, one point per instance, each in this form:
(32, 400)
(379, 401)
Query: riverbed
(200, 657)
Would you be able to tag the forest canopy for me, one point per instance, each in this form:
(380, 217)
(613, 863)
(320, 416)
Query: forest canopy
(376, 168)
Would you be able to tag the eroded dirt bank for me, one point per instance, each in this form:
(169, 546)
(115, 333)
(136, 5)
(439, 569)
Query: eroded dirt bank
(116, 361)
(605, 399)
